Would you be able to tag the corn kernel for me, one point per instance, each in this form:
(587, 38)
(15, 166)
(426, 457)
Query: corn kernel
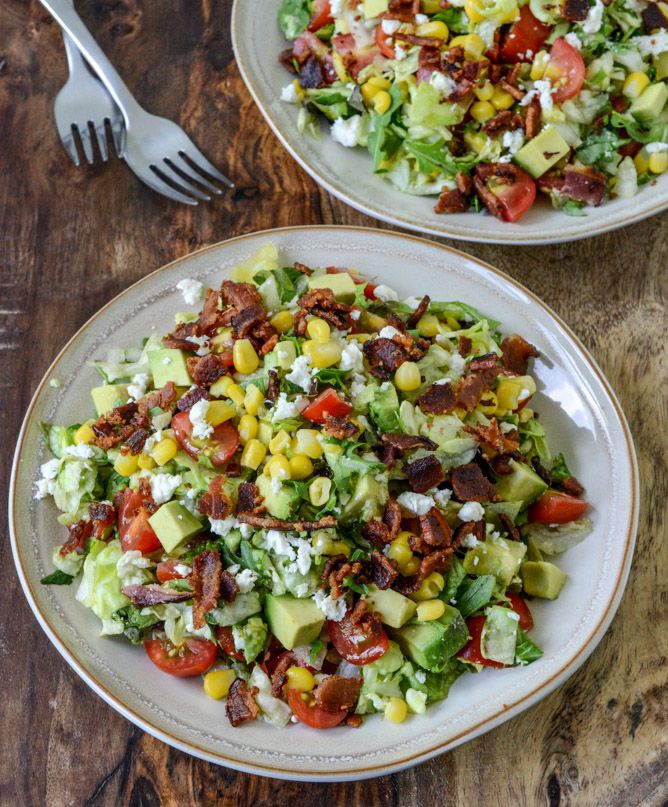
(126, 464)
(407, 377)
(658, 162)
(322, 355)
(301, 467)
(164, 451)
(283, 321)
(217, 683)
(401, 553)
(485, 92)
(430, 587)
(635, 84)
(84, 434)
(219, 411)
(369, 92)
(253, 399)
(244, 356)
(306, 442)
(247, 428)
(236, 394)
(509, 392)
(382, 101)
(488, 403)
(411, 567)
(380, 82)
(510, 15)
(428, 325)
(476, 143)
(253, 454)
(220, 387)
(430, 6)
(359, 337)
(265, 432)
(474, 46)
(539, 64)
(319, 490)
(482, 111)
(286, 354)
(430, 609)
(299, 678)
(339, 67)
(502, 99)
(641, 161)
(145, 462)
(434, 29)
(341, 548)
(396, 710)
(278, 467)
(279, 443)
(318, 330)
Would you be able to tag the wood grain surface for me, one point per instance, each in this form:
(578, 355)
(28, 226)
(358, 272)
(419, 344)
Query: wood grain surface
(70, 239)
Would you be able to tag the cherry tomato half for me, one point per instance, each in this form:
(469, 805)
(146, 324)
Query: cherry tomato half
(556, 508)
(313, 716)
(327, 403)
(566, 71)
(471, 651)
(359, 644)
(194, 657)
(166, 570)
(520, 607)
(225, 639)
(381, 41)
(133, 528)
(222, 444)
(525, 38)
(322, 15)
(508, 190)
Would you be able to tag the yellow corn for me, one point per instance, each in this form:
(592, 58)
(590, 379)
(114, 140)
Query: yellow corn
(411, 566)
(658, 162)
(219, 411)
(283, 321)
(322, 542)
(306, 442)
(145, 462)
(218, 682)
(430, 6)
(359, 337)
(407, 377)
(525, 415)
(279, 443)
(253, 399)
(236, 394)
(485, 92)
(341, 548)
(430, 587)
(247, 428)
(635, 84)
(396, 710)
(319, 490)
(428, 325)
(430, 609)
(301, 467)
(369, 92)
(488, 404)
(502, 99)
(244, 356)
(510, 389)
(220, 387)
(164, 451)
(322, 355)
(278, 467)
(435, 29)
(382, 101)
(84, 434)
(253, 454)
(318, 330)
(299, 678)
(126, 464)
(339, 66)
(380, 83)
(265, 432)
(286, 354)
(474, 46)
(482, 111)
(400, 552)
(641, 161)
(476, 142)
(539, 64)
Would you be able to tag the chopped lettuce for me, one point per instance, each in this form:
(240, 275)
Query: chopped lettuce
(250, 637)
(499, 635)
(100, 587)
(124, 363)
(273, 709)
(553, 539)
(293, 17)
(230, 613)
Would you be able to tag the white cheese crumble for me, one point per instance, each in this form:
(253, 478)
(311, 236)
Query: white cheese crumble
(385, 293)
(284, 409)
(336, 7)
(80, 452)
(151, 441)
(137, 389)
(390, 26)
(441, 381)
(415, 503)
(301, 374)
(513, 140)
(399, 53)
(46, 486)
(444, 84)
(413, 302)
(303, 562)
(163, 486)
(421, 676)
(245, 580)
(130, 565)
(653, 45)
(653, 148)
(191, 290)
(221, 526)
(594, 18)
(573, 40)
(277, 541)
(202, 343)
(456, 363)
(544, 89)
(289, 93)
(331, 608)
(183, 569)
(355, 314)
(442, 497)
(388, 332)
(470, 541)
(471, 511)
(421, 18)
(345, 131)
(197, 414)
(348, 670)
(352, 358)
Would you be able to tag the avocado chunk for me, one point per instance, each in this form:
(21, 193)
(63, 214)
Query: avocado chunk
(173, 525)
(167, 365)
(367, 501)
(279, 503)
(394, 609)
(432, 644)
(340, 283)
(384, 409)
(498, 557)
(109, 397)
(650, 104)
(542, 152)
(522, 485)
(374, 8)
(661, 65)
(542, 579)
(293, 622)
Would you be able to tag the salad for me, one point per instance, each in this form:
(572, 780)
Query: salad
(485, 102)
(325, 500)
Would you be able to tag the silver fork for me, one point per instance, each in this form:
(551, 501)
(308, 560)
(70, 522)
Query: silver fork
(83, 107)
(158, 151)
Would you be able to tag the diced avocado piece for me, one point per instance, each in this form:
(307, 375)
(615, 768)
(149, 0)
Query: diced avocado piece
(173, 525)
(109, 397)
(384, 409)
(293, 622)
(650, 103)
(279, 503)
(661, 65)
(431, 644)
(522, 485)
(374, 8)
(542, 152)
(340, 283)
(498, 557)
(367, 501)
(168, 364)
(394, 609)
(542, 579)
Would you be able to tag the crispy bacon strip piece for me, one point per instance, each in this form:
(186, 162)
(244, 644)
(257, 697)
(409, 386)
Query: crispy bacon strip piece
(205, 582)
(339, 428)
(516, 353)
(229, 588)
(435, 528)
(77, 535)
(507, 523)
(215, 503)
(273, 386)
(407, 442)
(452, 200)
(164, 398)
(571, 486)
(120, 424)
(469, 484)
(492, 440)
(337, 694)
(470, 390)
(437, 399)
(419, 312)
(240, 295)
(249, 499)
(187, 401)
(425, 473)
(153, 594)
(279, 676)
(437, 561)
(204, 370)
(383, 570)
(136, 441)
(179, 338)
(240, 706)
(484, 362)
(474, 528)
(384, 356)
(575, 10)
(379, 532)
(270, 523)
(322, 303)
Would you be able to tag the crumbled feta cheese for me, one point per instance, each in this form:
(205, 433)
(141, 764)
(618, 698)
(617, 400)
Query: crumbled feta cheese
(355, 314)
(80, 452)
(442, 497)
(415, 503)
(202, 343)
(456, 363)
(130, 567)
(239, 641)
(188, 501)
(469, 541)
(289, 93)
(277, 541)
(412, 302)
(331, 608)
(151, 441)
(284, 409)
(137, 389)
(545, 92)
(573, 40)
(197, 414)
(352, 358)
(336, 7)
(183, 570)
(528, 98)
(486, 31)
(357, 386)
(471, 511)
(385, 293)
(301, 374)
(46, 486)
(388, 332)
(245, 580)
(421, 676)
(444, 84)
(653, 45)
(345, 131)
(348, 670)
(390, 26)
(441, 381)
(191, 290)
(653, 148)
(594, 18)
(303, 561)
(399, 52)
(512, 141)
(421, 18)
(221, 526)
(163, 486)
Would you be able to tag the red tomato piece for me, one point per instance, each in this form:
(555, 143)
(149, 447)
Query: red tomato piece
(166, 570)
(520, 607)
(327, 403)
(313, 716)
(370, 291)
(471, 651)
(556, 508)
(566, 71)
(359, 644)
(322, 15)
(510, 191)
(194, 657)
(381, 41)
(101, 526)
(525, 38)
(133, 528)
(225, 639)
(221, 446)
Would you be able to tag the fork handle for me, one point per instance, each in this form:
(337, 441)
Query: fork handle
(65, 15)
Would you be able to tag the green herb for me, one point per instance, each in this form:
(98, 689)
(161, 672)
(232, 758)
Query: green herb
(358, 554)
(525, 650)
(293, 17)
(476, 594)
(332, 377)
(179, 585)
(454, 18)
(383, 140)
(353, 585)
(316, 648)
(559, 469)
(434, 156)
(135, 623)
(600, 148)
(572, 208)
(57, 578)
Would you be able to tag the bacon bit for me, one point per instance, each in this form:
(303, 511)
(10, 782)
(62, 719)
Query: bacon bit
(419, 312)
(437, 561)
(532, 119)
(492, 440)
(191, 397)
(163, 398)
(245, 322)
(584, 184)
(501, 464)
(435, 528)
(383, 570)
(303, 268)
(136, 441)
(240, 295)
(273, 386)
(337, 694)
(384, 356)
(153, 594)
(386, 454)
(299, 324)
(509, 527)
(451, 200)
(474, 528)
(336, 570)
(437, 399)
(514, 74)
(119, 425)
(205, 582)
(420, 41)
(379, 532)
(575, 10)
(469, 484)
(102, 516)
(571, 486)
(353, 721)
(484, 362)
(249, 499)
(179, 339)
(204, 370)
(407, 442)
(211, 316)
(240, 706)
(465, 346)
(270, 523)
(509, 88)
(215, 503)
(653, 17)
(322, 303)
(516, 353)
(544, 473)
(425, 473)
(229, 588)
(77, 535)
(339, 428)
(279, 676)
(470, 389)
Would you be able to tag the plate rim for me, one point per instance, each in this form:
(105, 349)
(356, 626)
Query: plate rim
(414, 758)
(396, 220)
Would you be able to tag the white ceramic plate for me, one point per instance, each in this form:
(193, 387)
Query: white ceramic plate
(347, 173)
(580, 413)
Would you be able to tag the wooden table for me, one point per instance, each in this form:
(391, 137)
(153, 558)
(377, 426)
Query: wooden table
(73, 238)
